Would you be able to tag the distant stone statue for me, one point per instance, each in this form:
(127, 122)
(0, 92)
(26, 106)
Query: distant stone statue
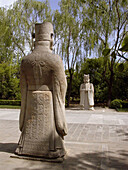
(87, 94)
(43, 88)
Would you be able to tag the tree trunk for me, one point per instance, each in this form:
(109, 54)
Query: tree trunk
(109, 96)
(69, 87)
(110, 87)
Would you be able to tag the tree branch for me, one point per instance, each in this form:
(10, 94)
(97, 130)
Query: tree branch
(122, 56)
(18, 46)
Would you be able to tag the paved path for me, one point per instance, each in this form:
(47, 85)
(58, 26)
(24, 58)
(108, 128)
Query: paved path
(96, 140)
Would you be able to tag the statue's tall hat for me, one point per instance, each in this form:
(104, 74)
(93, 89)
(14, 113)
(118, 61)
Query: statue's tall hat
(43, 31)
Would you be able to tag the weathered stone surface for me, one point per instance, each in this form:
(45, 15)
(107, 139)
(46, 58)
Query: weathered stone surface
(87, 94)
(43, 87)
(83, 152)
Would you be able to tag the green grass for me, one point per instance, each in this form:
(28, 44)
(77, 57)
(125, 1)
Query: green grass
(122, 110)
(9, 107)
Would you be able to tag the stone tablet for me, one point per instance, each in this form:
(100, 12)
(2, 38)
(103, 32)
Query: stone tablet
(43, 88)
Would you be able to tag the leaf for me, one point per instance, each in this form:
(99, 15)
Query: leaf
(113, 54)
(106, 51)
(83, 1)
(124, 48)
(125, 40)
(121, 67)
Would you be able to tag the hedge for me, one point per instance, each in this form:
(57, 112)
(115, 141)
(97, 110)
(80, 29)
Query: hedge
(124, 104)
(10, 102)
(117, 103)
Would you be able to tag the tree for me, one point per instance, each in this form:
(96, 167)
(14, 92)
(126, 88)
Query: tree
(120, 85)
(23, 16)
(67, 29)
(94, 67)
(106, 19)
(5, 37)
(17, 26)
(9, 84)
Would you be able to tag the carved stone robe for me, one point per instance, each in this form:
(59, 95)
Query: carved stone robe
(42, 118)
(87, 95)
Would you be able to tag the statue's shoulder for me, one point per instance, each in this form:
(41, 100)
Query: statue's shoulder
(56, 59)
(82, 86)
(26, 57)
(26, 60)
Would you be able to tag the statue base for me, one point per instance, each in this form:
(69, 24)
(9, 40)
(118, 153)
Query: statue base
(56, 160)
(91, 108)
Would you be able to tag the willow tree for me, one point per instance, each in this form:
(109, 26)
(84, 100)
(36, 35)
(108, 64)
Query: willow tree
(9, 83)
(105, 23)
(23, 15)
(17, 25)
(5, 37)
(68, 42)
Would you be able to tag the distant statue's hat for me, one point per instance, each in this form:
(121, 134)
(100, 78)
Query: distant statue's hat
(43, 31)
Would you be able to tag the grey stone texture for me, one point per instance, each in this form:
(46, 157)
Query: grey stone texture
(87, 94)
(96, 141)
(43, 88)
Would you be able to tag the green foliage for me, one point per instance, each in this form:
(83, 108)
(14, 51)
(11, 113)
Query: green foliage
(68, 37)
(9, 81)
(106, 52)
(22, 18)
(122, 110)
(125, 44)
(125, 40)
(10, 102)
(124, 104)
(17, 26)
(9, 107)
(95, 68)
(121, 67)
(115, 104)
(113, 54)
(120, 84)
(80, 26)
(124, 48)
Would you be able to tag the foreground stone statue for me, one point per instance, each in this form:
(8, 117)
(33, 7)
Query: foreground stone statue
(87, 94)
(43, 88)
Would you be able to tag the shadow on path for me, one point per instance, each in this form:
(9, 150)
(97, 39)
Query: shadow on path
(88, 161)
(123, 133)
(8, 147)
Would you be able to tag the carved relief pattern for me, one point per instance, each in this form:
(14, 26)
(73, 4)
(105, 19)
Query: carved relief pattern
(37, 65)
(37, 128)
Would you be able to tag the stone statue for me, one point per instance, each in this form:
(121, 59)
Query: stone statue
(87, 94)
(43, 88)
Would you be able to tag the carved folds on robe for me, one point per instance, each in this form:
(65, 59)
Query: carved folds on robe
(87, 94)
(43, 88)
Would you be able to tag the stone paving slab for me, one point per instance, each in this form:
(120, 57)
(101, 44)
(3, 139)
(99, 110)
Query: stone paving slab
(93, 142)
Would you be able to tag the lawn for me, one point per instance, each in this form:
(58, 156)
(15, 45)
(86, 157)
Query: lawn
(122, 110)
(9, 107)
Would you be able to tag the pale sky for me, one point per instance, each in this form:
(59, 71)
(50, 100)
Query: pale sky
(53, 3)
(4, 3)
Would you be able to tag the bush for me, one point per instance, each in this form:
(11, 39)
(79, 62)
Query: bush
(124, 104)
(10, 102)
(66, 102)
(116, 103)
